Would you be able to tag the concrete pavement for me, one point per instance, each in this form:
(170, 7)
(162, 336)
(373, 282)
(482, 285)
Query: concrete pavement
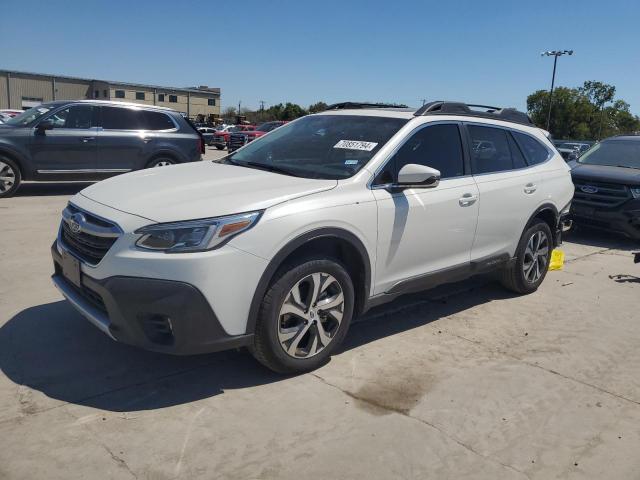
(466, 381)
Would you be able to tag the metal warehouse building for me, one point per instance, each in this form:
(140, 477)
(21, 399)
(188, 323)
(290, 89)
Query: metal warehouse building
(22, 90)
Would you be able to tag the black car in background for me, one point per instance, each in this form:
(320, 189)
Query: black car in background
(91, 140)
(607, 183)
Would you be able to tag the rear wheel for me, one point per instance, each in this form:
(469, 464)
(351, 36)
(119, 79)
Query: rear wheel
(304, 316)
(161, 162)
(9, 177)
(526, 273)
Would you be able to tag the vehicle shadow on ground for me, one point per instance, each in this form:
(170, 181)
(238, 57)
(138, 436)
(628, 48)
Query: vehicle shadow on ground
(40, 189)
(597, 238)
(52, 349)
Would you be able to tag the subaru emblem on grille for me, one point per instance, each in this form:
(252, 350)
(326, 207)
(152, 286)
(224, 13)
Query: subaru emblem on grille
(75, 222)
(589, 189)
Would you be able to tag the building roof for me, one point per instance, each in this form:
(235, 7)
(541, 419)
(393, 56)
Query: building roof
(199, 90)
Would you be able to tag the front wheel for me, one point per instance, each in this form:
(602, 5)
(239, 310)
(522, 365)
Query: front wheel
(9, 177)
(304, 316)
(527, 271)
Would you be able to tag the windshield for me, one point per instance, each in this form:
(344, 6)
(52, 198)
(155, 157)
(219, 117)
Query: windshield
(323, 146)
(267, 127)
(28, 116)
(620, 153)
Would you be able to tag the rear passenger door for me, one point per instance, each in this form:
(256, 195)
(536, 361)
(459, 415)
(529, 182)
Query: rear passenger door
(127, 138)
(509, 190)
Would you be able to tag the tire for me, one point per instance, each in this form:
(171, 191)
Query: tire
(289, 339)
(219, 147)
(161, 162)
(10, 177)
(522, 275)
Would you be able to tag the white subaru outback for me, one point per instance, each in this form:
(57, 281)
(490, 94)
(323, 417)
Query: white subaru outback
(279, 246)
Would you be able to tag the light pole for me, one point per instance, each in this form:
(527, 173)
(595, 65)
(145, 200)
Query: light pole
(555, 54)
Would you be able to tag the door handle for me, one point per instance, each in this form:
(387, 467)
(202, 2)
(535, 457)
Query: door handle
(467, 200)
(147, 139)
(530, 188)
(87, 139)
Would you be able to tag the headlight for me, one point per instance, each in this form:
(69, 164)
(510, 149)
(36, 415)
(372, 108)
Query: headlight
(635, 191)
(195, 235)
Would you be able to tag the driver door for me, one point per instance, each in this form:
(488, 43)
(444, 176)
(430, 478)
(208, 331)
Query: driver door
(424, 233)
(70, 146)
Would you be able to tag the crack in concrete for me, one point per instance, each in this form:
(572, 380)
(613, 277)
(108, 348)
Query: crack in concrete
(548, 370)
(406, 414)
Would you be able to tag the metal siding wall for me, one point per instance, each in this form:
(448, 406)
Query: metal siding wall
(22, 86)
(4, 99)
(72, 90)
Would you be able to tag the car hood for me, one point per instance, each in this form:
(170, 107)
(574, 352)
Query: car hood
(605, 173)
(200, 190)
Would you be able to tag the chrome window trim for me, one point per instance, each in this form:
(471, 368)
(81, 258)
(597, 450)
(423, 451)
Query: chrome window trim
(87, 170)
(458, 123)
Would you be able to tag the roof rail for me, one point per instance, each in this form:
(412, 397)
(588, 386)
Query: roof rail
(356, 105)
(471, 110)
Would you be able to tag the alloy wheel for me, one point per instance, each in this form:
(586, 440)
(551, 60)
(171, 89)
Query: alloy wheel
(310, 315)
(536, 256)
(7, 177)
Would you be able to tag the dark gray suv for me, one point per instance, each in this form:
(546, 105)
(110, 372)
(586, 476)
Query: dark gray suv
(92, 140)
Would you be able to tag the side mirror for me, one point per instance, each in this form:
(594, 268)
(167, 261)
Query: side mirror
(47, 124)
(418, 176)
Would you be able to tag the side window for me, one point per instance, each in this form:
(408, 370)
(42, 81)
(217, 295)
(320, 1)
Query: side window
(79, 116)
(156, 121)
(436, 146)
(490, 150)
(516, 153)
(533, 150)
(114, 118)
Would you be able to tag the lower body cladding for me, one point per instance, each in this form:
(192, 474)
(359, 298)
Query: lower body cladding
(161, 315)
(623, 219)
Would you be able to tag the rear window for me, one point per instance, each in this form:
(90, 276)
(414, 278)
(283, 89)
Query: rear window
(533, 150)
(114, 118)
(156, 121)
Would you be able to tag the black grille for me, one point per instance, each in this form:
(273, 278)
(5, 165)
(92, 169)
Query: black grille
(237, 140)
(89, 248)
(605, 194)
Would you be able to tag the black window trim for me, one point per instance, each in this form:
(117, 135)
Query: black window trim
(466, 158)
(469, 144)
(100, 127)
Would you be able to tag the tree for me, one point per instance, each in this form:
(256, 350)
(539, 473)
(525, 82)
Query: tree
(318, 107)
(230, 113)
(599, 93)
(580, 113)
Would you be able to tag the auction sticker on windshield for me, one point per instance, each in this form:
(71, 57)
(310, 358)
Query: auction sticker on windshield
(355, 145)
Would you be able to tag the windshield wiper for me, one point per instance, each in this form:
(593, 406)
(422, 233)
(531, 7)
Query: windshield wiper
(263, 166)
(627, 166)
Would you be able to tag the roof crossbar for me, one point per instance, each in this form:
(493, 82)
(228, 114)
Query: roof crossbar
(472, 110)
(358, 105)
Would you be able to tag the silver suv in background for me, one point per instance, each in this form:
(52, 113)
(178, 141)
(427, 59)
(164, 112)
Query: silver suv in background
(92, 140)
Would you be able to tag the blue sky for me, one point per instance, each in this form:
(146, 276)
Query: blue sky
(277, 51)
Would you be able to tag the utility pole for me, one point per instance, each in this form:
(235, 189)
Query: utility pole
(424, 100)
(262, 105)
(555, 54)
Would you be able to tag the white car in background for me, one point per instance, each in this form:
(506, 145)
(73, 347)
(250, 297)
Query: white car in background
(280, 246)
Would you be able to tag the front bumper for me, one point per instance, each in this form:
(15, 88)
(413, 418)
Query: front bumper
(160, 315)
(624, 219)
